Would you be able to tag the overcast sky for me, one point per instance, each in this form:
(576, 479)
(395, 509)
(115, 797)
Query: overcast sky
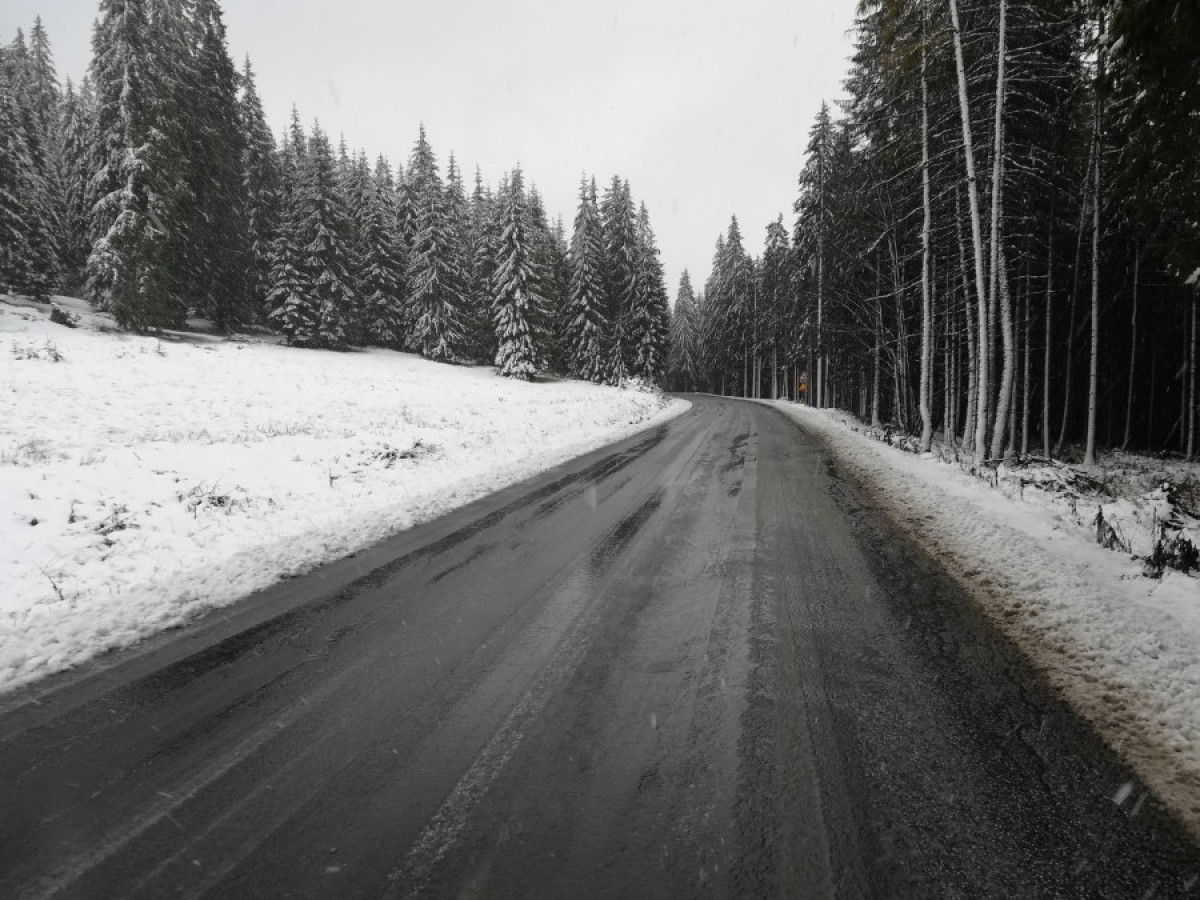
(704, 105)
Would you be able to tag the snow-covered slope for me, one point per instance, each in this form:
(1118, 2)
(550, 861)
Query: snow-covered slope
(144, 481)
(1124, 649)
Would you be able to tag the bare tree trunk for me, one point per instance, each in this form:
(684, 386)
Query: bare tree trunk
(1191, 391)
(955, 373)
(999, 268)
(1133, 323)
(1089, 456)
(984, 376)
(947, 381)
(876, 363)
(897, 400)
(1046, 349)
(926, 387)
(1026, 386)
(903, 389)
(968, 438)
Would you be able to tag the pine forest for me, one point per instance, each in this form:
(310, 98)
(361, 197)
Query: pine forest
(156, 188)
(996, 239)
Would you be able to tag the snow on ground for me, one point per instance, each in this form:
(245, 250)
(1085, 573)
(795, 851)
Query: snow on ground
(1124, 649)
(145, 481)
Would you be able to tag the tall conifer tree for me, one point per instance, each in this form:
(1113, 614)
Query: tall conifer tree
(516, 287)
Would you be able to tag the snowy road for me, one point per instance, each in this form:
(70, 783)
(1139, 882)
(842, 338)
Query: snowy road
(693, 663)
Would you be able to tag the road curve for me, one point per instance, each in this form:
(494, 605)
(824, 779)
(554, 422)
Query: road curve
(694, 663)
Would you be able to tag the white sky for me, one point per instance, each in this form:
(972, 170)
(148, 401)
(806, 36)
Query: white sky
(704, 105)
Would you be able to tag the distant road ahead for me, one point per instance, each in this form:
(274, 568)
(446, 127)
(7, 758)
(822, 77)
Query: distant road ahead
(694, 663)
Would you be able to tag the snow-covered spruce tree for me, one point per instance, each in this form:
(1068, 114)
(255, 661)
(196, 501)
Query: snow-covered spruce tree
(620, 270)
(324, 235)
(729, 293)
(136, 187)
(219, 240)
(356, 189)
(559, 289)
(381, 255)
(175, 38)
(775, 282)
(516, 289)
(435, 279)
(262, 192)
(75, 124)
(483, 237)
(584, 333)
(649, 313)
(33, 91)
(38, 94)
(289, 300)
(548, 262)
(812, 209)
(682, 363)
(419, 184)
(14, 213)
(475, 317)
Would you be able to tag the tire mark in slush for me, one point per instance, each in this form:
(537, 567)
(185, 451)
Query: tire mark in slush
(442, 833)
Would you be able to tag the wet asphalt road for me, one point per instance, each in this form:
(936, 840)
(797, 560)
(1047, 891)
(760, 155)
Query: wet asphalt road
(694, 663)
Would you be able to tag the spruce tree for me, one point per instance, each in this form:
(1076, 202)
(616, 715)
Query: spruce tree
(620, 265)
(262, 192)
(381, 284)
(324, 231)
(585, 328)
(558, 287)
(683, 362)
(547, 262)
(288, 301)
(220, 242)
(436, 279)
(516, 289)
(136, 187)
(15, 162)
(74, 135)
(35, 90)
(483, 235)
(649, 313)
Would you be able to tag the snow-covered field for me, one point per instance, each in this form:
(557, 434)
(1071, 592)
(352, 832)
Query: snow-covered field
(1124, 649)
(145, 481)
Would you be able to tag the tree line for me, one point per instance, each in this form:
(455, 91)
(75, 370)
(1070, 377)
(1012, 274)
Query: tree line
(997, 236)
(157, 190)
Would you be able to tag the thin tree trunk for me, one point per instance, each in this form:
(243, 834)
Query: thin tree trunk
(1046, 349)
(1133, 323)
(968, 438)
(1000, 430)
(947, 380)
(1191, 390)
(903, 390)
(1089, 456)
(926, 387)
(984, 376)
(876, 363)
(1026, 387)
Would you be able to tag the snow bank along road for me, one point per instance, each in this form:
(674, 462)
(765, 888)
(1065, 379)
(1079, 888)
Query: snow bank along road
(692, 662)
(144, 482)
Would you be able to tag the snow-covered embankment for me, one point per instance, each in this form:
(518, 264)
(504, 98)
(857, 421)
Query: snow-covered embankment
(143, 482)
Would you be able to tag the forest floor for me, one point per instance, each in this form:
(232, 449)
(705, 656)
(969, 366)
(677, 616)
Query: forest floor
(1064, 560)
(145, 481)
